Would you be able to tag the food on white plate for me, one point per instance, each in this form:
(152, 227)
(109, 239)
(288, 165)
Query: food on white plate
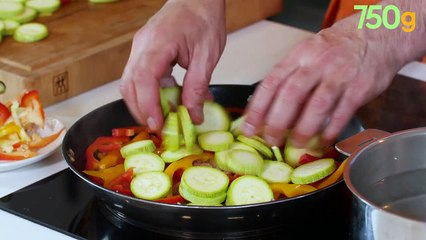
(24, 129)
(208, 164)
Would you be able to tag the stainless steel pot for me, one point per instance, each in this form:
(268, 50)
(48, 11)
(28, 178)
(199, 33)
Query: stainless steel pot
(386, 174)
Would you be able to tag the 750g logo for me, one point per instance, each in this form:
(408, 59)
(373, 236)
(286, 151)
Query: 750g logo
(374, 16)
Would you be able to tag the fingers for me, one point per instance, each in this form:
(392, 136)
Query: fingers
(262, 99)
(288, 103)
(195, 85)
(140, 86)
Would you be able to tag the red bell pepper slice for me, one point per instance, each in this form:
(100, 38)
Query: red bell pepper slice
(305, 158)
(127, 131)
(31, 100)
(102, 144)
(122, 183)
(4, 114)
(172, 199)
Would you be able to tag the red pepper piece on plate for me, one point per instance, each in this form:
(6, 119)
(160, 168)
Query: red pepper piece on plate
(4, 113)
(20, 155)
(31, 100)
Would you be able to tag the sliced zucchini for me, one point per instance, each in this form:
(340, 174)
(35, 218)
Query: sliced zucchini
(170, 132)
(248, 190)
(170, 98)
(187, 127)
(10, 9)
(44, 6)
(313, 171)
(244, 162)
(215, 118)
(215, 141)
(171, 156)
(151, 185)
(137, 147)
(277, 154)
(276, 172)
(30, 32)
(258, 144)
(10, 26)
(201, 201)
(236, 125)
(26, 16)
(205, 182)
(144, 162)
(292, 154)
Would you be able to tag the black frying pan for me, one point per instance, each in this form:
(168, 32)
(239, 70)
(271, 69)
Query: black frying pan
(321, 214)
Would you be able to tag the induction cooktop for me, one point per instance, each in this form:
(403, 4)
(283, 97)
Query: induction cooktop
(65, 203)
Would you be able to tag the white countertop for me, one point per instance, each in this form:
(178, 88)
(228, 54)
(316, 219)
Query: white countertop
(249, 55)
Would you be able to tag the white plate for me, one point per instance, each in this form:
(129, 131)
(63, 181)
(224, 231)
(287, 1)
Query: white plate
(42, 153)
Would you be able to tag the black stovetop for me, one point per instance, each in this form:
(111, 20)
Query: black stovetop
(65, 203)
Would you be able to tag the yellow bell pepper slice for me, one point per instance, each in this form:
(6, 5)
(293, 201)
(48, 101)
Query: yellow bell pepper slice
(186, 162)
(334, 177)
(107, 174)
(291, 190)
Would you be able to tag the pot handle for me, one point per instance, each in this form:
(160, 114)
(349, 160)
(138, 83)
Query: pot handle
(360, 140)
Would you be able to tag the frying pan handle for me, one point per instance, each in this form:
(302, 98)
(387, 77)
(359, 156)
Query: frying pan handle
(360, 140)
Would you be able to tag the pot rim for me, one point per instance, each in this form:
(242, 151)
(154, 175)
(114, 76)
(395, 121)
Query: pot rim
(350, 160)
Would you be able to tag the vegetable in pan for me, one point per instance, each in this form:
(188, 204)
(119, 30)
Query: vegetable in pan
(209, 164)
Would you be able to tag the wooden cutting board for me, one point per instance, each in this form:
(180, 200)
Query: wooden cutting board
(89, 44)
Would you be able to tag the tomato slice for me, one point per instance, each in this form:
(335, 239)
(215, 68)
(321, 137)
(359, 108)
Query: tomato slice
(4, 113)
(31, 99)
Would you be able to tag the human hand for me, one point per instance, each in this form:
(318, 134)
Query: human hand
(318, 87)
(188, 32)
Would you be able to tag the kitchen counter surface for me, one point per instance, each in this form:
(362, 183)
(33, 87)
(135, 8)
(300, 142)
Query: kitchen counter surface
(249, 55)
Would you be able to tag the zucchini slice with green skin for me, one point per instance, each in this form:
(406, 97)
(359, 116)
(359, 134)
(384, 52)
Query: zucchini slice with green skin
(244, 162)
(313, 171)
(144, 162)
(292, 154)
(258, 144)
(171, 156)
(170, 98)
(216, 118)
(248, 190)
(205, 182)
(221, 157)
(277, 154)
(276, 172)
(10, 9)
(170, 132)
(151, 185)
(201, 201)
(187, 127)
(26, 16)
(30, 32)
(236, 125)
(215, 141)
(137, 147)
(10, 26)
(44, 6)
